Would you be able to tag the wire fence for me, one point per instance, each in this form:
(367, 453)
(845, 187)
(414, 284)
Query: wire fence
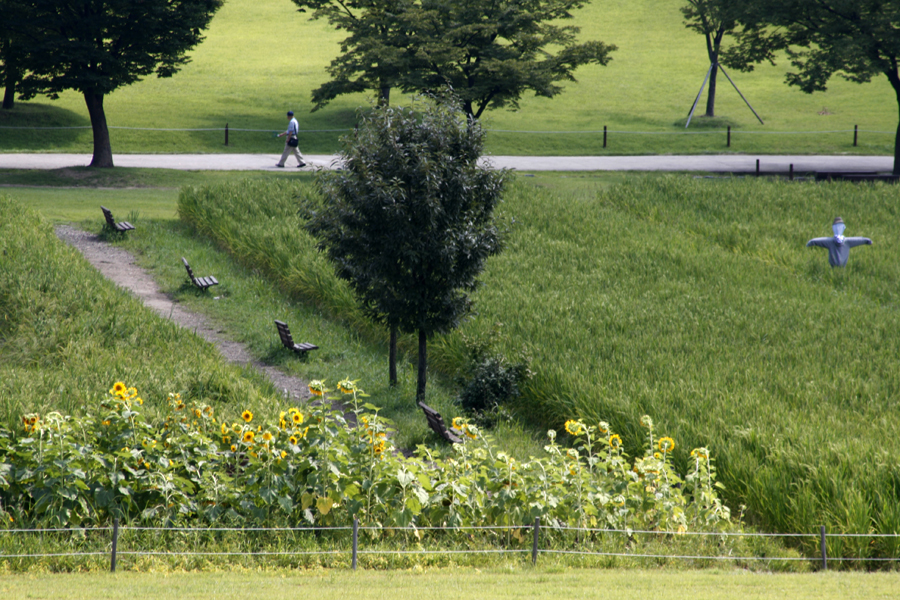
(605, 132)
(113, 533)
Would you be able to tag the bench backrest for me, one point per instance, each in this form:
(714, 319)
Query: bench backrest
(190, 271)
(109, 218)
(435, 420)
(284, 333)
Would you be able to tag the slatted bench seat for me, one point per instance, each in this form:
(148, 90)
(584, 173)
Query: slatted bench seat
(285, 334)
(121, 227)
(204, 283)
(436, 422)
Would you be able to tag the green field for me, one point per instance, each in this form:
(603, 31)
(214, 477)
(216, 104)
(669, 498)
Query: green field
(692, 300)
(457, 583)
(261, 57)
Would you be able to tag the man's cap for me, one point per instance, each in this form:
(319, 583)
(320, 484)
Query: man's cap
(290, 113)
(838, 220)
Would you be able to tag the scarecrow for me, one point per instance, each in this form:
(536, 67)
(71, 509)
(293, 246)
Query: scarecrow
(838, 246)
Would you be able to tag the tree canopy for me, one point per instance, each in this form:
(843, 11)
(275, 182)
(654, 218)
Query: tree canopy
(489, 53)
(375, 52)
(408, 221)
(854, 39)
(96, 46)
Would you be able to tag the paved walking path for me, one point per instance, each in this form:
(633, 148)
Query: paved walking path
(715, 163)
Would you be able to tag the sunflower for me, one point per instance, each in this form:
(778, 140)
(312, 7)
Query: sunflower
(647, 422)
(267, 436)
(297, 418)
(603, 427)
(233, 448)
(615, 441)
(293, 440)
(198, 413)
(346, 386)
(283, 454)
(118, 388)
(226, 439)
(472, 434)
(700, 453)
(247, 416)
(573, 427)
(666, 444)
(317, 387)
(248, 437)
(458, 423)
(224, 429)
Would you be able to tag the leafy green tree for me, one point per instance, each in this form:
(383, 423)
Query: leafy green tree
(374, 53)
(715, 19)
(12, 14)
(97, 46)
(490, 53)
(854, 39)
(408, 222)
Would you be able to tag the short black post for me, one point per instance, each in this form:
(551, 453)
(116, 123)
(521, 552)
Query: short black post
(822, 544)
(792, 172)
(226, 134)
(728, 143)
(855, 132)
(757, 167)
(115, 542)
(355, 541)
(604, 136)
(534, 544)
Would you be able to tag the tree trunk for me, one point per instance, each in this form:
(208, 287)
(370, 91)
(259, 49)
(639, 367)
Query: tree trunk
(384, 94)
(392, 357)
(423, 363)
(894, 78)
(12, 78)
(711, 94)
(10, 94)
(102, 149)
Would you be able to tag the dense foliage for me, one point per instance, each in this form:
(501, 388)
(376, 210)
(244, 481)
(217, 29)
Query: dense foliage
(191, 466)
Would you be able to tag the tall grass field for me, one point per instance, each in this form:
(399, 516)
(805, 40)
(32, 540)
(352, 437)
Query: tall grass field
(262, 57)
(692, 300)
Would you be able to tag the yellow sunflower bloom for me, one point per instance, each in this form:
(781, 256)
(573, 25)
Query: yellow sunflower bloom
(233, 448)
(573, 427)
(666, 444)
(247, 416)
(248, 437)
(317, 387)
(267, 436)
(615, 441)
(118, 388)
(293, 440)
(458, 423)
(297, 418)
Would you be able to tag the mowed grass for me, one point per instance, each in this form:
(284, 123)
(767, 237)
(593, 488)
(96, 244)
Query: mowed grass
(262, 57)
(457, 583)
(694, 301)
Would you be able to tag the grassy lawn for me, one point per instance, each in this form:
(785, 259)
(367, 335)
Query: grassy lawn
(261, 57)
(550, 583)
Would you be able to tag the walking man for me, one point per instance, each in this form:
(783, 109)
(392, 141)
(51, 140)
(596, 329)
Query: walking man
(838, 246)
(292, 144)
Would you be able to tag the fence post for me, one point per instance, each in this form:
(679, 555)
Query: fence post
(757, 167)
(791, 174)
(534, 544)
(355, 541)
(855, 132)
(822, 544)
(728, 143)
(226, 134)
(115, 542)
(604, 136)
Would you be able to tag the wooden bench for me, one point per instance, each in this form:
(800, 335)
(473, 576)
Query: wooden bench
(120, 227)
(436, 422)
(285, 334)
(204, 283)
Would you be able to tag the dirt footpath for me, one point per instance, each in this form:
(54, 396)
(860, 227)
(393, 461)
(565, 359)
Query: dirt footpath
(118, 265)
